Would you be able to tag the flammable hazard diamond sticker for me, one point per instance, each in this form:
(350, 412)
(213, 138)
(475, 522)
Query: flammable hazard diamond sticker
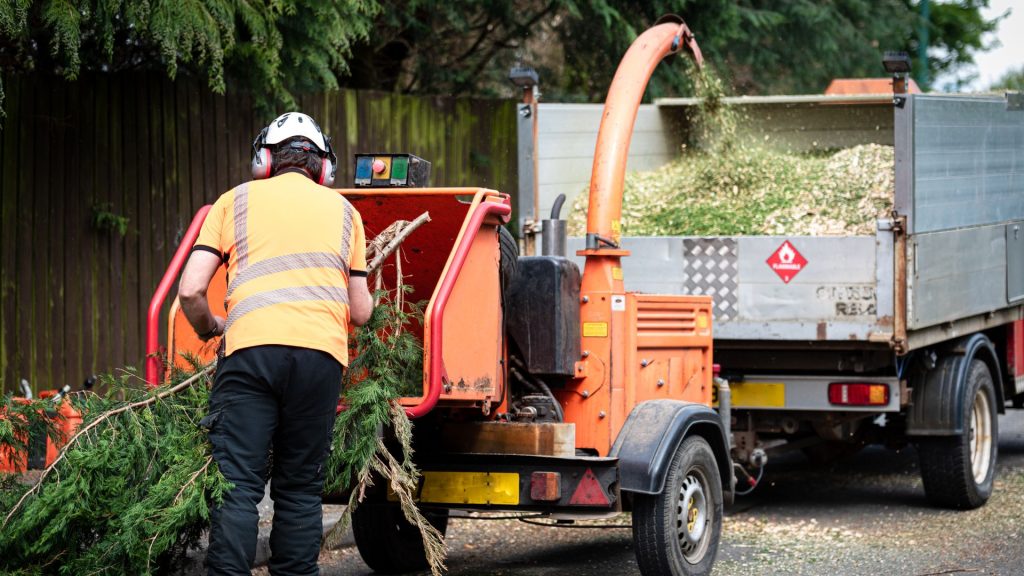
(786, 261)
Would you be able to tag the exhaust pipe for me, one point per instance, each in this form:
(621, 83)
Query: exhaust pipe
(554, 233)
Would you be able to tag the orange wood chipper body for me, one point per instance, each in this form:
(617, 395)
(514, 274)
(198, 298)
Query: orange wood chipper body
(544, 389)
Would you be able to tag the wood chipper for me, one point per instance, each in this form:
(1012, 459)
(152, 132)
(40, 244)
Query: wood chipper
(544, 390)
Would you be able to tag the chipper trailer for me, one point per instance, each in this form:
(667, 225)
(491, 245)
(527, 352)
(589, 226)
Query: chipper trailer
(544, 390)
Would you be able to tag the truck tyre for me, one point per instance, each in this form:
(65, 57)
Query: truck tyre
(676, 532)
(387, 542)
(958, 471)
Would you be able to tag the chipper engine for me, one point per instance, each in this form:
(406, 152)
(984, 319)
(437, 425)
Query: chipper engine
(544, 390)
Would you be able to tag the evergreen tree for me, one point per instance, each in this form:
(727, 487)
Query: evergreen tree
(274, 47)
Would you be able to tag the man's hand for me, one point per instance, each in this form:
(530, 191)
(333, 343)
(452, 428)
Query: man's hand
(217, 329)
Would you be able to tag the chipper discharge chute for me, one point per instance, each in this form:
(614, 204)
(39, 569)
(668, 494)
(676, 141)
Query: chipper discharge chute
(545, 390)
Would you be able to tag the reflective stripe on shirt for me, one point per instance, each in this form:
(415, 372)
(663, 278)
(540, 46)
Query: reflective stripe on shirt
(284, 296)
(241, 224)
(286, 263)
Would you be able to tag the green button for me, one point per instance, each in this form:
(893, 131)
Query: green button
(399, 169)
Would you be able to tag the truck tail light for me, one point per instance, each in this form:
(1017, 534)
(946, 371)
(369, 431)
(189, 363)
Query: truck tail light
(858, 394)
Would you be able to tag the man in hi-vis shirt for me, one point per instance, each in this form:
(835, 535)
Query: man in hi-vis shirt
(295, 253)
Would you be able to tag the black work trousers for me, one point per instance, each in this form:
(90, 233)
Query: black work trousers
(281, 398)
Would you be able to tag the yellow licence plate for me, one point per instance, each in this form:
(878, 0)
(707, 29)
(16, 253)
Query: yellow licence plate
(754, 395)
(470, 488)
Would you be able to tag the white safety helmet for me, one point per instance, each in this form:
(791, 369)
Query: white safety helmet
(291, 125)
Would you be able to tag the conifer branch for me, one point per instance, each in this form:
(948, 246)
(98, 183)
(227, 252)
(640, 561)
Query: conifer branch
(102, 418)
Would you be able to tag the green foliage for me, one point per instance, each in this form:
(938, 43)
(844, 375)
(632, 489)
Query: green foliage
(104, 220)
(279, 48)
(466, 47)
(764, 46)
(274, 47)
(387, 366)
(956, 31)
(129, 497)
(1012, 80)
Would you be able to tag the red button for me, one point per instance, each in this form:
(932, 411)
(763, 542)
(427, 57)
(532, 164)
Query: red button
(379, 166)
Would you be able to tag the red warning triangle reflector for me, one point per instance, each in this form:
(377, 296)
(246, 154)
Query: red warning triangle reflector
(589, 492)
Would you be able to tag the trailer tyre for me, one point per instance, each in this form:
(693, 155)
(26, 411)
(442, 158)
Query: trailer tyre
(676, 532)
(958, 471)
(387, 542)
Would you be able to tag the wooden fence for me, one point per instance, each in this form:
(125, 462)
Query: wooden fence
(77, 158)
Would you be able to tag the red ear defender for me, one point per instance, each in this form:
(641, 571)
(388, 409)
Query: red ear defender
(326, 172)
(261, 161)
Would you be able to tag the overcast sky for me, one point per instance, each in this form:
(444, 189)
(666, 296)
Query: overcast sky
(992, 65)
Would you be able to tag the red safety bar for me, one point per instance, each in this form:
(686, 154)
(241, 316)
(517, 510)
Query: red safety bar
(436, 363)
(162, 290)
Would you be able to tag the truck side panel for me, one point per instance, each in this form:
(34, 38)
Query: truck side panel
(960, 183)
(968, 161)
(956, 274)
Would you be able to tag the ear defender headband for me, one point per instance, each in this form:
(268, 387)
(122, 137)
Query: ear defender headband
(262, 158)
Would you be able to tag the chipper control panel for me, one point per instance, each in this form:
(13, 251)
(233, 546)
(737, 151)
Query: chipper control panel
(391, 171)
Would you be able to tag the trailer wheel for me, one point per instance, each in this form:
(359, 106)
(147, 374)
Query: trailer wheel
(676, 532)
(958, 471)
(387, 542)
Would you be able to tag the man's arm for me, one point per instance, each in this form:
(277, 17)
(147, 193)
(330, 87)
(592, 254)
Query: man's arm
(360, 302)
(195, 280)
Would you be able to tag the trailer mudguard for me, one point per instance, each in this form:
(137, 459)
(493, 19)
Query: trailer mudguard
(936, 406)
(652, 434)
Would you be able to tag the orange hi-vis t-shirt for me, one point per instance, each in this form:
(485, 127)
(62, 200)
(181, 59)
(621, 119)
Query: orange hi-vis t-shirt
(290, 246)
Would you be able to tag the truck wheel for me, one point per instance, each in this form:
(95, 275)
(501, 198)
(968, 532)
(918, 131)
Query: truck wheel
(676, 532)
(387, 542)
(958, 471)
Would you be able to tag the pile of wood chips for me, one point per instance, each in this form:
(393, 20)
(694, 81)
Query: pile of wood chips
(750, 190)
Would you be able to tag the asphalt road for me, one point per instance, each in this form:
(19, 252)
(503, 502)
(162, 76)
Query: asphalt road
(864, 516)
